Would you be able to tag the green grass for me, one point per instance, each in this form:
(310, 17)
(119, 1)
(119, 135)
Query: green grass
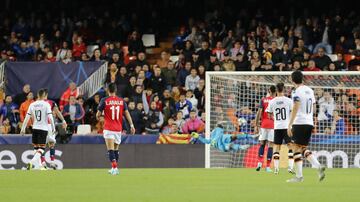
(171, 185)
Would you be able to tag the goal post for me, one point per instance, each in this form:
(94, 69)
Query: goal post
(232, 98)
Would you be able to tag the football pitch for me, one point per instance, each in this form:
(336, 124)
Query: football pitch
(171, 185)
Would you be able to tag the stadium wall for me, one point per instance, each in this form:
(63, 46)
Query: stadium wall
(94, 156)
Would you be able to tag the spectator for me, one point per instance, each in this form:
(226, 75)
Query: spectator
(50, 57)
(228, 64)
(170, 75)
(140, 61)
(228, 41)
(255, 62)
(136, 116)
(73, 113)
(199, 93)
(141, 124)
(167, 98)
(204, 53)
(191, 97)
(179, 121)
(188, 50)
(219, 51)
(115, 58)
(164, 60)
(277, 38)
(25, 106)
(183, 73)
(338, 124)
(277, 57)
(78, 48)
(326, 108)
(21, 97)
(68, 57)
(137, 96)
(192, 80)
(201, 72)
(157, 82)
(23, 52)
(154, 120)
(340, 63)
(91, 109)
(62, 52)
(311, 66)
(184, 106)
(97, 57)
(72, 90)
(195, 37)
(238, 48)
(112, 76)
(193, 124)
(9, 111)
(135, 44)
(322, 61)
(169, 129)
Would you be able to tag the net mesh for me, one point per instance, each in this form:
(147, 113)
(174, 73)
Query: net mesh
(234, 101)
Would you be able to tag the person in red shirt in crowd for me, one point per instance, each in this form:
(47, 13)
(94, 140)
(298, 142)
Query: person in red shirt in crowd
(113, 108)
(50, 57)
(266, 130)
(71, 91)
(219, 51)
(311, 67)
(78, 48)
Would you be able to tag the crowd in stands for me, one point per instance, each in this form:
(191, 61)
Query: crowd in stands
(168, 96)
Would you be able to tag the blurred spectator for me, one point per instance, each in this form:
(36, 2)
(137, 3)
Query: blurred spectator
(184, 106)
(68, 57)
(21, 97)
(219, 51)
(154, 120)
(25, 106)
(23, 51)
(190, 96)
(62, 52)
(338, 124)
(136, 116)
(9, 111)
(5, 128)
(228, 64)
(96, 56)
(91, 109)
(164, 60)
(179, 121)
(73, 91)
(199, 93)
(311, 66)
(192, 80)
(135, 44)
(326, 108)
(50, 57)
(73, 113)
(193, 124)
(169, 129)
(170, 75)
(340, 63)
(123, 82)
(322, 61)
(157, 82)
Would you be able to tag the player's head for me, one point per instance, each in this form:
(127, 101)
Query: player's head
(272, 90)
(42, 93)
(297, 77)
(280, 87)
(112, 88)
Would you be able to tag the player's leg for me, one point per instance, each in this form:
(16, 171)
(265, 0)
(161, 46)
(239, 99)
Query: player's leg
(277, 158)
(315, 163)
(270, 140)
(288, 142)
(298, 160)
(117, 141)
(262, 140)
(39, 140)
(301, 138)
(110, 142)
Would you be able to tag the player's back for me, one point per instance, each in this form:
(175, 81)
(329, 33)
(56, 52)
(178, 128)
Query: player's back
(266, 122)
(39, 111)
(281, 108)
(304, 95)
(113, 108)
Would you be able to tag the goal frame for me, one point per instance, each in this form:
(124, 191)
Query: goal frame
(234, 73)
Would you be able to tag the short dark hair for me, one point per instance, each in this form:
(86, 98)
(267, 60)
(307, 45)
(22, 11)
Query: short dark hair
(297, 77)
(272, 89)
(112, 88)
(42, 92)
(280, 87)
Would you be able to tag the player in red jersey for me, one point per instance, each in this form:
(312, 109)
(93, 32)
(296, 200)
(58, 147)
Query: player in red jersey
(113, 108)
(266, 130)
(51, 137)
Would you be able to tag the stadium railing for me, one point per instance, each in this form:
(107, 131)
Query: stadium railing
(95, 82)
(2, 74)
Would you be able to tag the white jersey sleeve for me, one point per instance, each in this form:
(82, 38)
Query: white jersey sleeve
(280, 107)
(305, 96)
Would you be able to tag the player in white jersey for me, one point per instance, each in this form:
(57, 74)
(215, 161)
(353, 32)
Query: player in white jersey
(301, 125)
(40, 112)
(279, 109)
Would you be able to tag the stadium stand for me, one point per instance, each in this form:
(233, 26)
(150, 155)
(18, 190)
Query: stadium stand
(142, 49)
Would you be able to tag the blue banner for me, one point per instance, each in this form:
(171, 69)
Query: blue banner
(55, 76)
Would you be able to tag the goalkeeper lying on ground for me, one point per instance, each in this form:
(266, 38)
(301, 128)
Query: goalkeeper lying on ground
(221, 141)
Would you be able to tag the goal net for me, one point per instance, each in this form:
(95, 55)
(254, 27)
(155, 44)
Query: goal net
(232, 98)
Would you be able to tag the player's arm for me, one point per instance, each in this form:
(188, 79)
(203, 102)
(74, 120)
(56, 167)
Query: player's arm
(257, 118)
(26, 120)
(294, 111)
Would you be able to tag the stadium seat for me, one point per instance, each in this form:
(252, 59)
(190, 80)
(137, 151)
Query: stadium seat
(84, 129)
(148, 40)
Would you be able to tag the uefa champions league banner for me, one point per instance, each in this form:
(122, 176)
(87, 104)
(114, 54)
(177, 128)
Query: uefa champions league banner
(55, 76)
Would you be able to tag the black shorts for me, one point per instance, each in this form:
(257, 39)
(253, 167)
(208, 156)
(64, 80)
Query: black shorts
(302, 134)
(281, 135)
(39, 136)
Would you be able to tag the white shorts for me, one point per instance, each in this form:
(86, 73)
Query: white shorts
(113, 135)
(266, 134)
(51, 137)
